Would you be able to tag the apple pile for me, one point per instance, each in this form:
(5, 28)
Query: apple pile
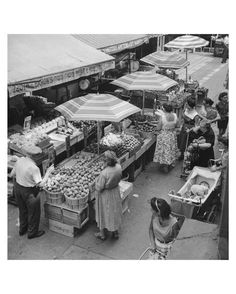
(129, 142)
(74, 181)
(145, 128)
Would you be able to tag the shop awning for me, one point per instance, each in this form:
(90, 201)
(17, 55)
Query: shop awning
(40, 61)
(114, 43)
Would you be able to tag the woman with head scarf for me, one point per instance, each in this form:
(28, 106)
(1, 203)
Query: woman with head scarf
(108, 203)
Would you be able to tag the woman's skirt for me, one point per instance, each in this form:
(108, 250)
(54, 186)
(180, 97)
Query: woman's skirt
(108, 207)
(166, 148)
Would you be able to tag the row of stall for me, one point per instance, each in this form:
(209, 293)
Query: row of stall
(69, 192)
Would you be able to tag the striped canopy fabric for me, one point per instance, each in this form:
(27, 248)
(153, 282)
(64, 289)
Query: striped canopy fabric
(166, 59)
(99, 107)
(187, 42)
(145, 80)
(69, 108)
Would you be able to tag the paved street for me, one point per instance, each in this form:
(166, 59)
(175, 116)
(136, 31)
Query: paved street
(210, 73)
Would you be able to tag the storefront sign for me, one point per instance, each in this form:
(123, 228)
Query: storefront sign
(127, 45)
(56, 79)
(27, 123)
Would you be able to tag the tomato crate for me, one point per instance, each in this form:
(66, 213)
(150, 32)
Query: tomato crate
(123, 158)
(62, 228)
(135, 150)
(76, 218)
(53, 211)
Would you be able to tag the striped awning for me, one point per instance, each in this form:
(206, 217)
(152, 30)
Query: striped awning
(187, 42)
(166, 59)
(99, 107)
(145, 80)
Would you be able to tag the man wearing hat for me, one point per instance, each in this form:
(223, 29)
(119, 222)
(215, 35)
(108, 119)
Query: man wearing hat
(27, 183)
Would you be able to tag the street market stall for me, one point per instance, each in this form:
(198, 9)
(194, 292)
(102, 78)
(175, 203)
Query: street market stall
(72, 185)
(144, 81)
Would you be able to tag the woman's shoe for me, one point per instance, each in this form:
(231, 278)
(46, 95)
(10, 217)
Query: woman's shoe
(115, 235)
(100, 236)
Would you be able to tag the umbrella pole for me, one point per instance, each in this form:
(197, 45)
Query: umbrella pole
(98, 135)
(186, 66)
(143, 102)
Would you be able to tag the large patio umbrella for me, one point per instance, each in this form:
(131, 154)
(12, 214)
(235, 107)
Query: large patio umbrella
(187, 42)
(69, 108)
(166, 59)
(145, 81)
(99, 107)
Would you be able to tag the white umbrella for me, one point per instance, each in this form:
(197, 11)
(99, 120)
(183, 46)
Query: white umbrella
(187, 42)
(145, 80)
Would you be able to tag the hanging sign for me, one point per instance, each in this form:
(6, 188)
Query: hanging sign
(27, 123)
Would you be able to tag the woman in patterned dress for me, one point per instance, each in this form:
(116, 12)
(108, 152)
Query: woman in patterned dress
(166, 151)
(108, 205)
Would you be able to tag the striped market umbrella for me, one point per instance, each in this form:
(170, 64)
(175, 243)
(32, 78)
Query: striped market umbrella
(99, 107)
(69, 108)
(166, 59)
(145, 81)
(187, 42)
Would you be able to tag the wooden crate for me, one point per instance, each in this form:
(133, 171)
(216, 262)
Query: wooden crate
(75, 218)
(53, 211)
(123, 158)
(62, 228)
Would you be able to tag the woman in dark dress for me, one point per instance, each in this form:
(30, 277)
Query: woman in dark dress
(190, 120)
(204, 143)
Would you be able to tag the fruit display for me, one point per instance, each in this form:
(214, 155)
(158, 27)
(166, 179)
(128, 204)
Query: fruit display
(89, 124)
(129, 142)
(179, 100)
(74, 181)
(111, 140)
(30, 138)
(147, 127)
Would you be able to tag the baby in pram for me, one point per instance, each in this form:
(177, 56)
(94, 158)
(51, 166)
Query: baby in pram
(194, 190)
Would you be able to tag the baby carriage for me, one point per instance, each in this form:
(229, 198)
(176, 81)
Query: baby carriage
(202, 207)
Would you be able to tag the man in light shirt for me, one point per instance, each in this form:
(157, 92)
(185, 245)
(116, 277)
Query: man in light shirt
(27, 184)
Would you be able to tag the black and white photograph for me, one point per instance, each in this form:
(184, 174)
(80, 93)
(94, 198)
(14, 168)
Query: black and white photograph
(117, 150)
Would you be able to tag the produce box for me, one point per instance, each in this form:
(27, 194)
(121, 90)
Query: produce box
(123, 158)
(135, 150)
(53, 211)
(126, 188)
(77, 218)
(62, 228)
